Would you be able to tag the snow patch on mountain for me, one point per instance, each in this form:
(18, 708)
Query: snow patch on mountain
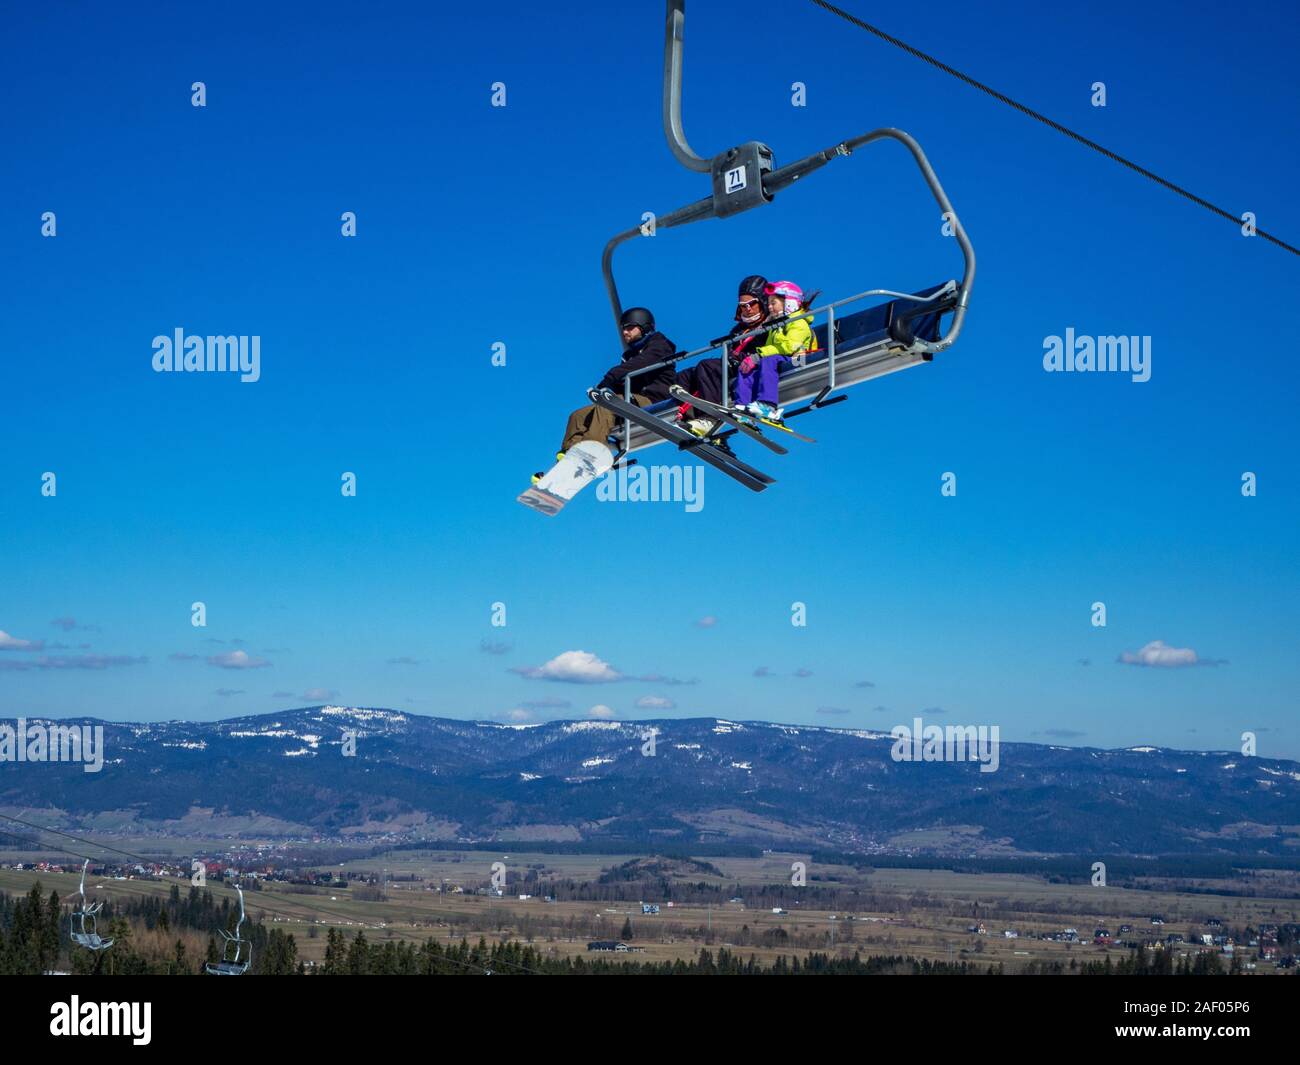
(1279, 773)
(357, 713)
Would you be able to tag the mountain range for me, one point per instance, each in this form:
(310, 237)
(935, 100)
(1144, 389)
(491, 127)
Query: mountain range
(295, 774)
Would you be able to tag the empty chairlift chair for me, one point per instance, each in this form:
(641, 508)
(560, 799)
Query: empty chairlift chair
(236, 963)
(82, 923)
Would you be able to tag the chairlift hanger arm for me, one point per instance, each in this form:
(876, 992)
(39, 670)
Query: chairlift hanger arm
(692, 212)
(673, 30)
(766, 182)
(786, 176)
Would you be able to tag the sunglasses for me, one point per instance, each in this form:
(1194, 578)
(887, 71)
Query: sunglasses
(747, 303)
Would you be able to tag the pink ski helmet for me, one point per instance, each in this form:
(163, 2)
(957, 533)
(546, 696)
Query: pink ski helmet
(790, 292)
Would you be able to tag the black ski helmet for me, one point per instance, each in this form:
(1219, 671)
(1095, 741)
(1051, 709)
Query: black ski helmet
(638, 316)
(754, 285)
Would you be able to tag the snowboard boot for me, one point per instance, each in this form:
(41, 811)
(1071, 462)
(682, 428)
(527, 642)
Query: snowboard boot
(559, 457)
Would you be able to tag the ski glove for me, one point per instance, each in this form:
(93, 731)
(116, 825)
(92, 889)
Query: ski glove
(748, 364)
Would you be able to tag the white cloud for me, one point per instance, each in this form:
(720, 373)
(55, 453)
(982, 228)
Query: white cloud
(237, 660)
(318, 695)
(1160, 654)
(655, 702)
(13, 643)
(574, 667)
(600, 710)
(707, 622)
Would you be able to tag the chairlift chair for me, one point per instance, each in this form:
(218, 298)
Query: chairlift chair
(85, 934)
(853, 346)
(236, 964)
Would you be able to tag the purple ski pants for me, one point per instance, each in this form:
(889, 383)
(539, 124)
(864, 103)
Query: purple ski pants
(762, 385)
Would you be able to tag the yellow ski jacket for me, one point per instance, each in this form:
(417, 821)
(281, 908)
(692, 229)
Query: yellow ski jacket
(789, 339)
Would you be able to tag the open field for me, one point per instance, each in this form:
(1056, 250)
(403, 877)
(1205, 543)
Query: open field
(923, 913)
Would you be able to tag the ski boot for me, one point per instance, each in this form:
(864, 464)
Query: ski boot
(768, 412)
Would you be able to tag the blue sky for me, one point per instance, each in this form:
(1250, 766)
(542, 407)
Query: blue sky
(479, 225)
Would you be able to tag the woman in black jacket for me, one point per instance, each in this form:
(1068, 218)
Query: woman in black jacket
(704, 379)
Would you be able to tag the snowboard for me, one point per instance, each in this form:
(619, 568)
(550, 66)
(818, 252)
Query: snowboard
(581, 465)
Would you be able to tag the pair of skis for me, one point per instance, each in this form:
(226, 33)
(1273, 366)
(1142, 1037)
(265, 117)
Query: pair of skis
(733, 467)
(742, 420)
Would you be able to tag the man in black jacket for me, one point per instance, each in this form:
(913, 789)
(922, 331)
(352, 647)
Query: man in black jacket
(644, 346)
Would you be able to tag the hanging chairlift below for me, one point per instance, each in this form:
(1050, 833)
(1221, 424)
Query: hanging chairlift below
(82, 934)
(237, 964)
